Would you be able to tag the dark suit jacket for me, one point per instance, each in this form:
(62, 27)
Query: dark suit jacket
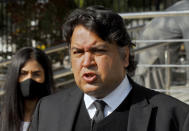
(150, 111)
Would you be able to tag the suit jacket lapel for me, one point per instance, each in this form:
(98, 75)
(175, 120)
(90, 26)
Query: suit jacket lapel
(69, 110)
(139, 118)
(140, 110)
(139, 115)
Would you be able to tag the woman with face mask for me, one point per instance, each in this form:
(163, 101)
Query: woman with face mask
(29, 78)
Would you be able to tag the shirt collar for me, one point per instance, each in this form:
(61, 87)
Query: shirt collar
(115, 98)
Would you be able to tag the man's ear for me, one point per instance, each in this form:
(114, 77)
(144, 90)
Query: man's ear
(126, 58)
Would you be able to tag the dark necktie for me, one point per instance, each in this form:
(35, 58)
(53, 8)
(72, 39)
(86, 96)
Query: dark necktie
(99, 115)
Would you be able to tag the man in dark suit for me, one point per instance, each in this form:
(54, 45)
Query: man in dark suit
(107, 99)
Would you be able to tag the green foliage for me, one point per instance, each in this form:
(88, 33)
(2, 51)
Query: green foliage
(37, 22)
(117, 5)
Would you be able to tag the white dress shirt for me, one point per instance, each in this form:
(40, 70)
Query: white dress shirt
(113, 100)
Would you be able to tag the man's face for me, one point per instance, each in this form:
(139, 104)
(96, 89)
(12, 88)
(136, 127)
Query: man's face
(97, 66)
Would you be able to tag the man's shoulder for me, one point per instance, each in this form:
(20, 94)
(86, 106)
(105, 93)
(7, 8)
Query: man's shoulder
(158, 99)
(162, 100)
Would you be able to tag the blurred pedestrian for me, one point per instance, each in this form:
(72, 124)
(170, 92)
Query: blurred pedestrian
(29, 78)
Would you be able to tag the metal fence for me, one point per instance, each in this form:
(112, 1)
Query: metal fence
(162, 79)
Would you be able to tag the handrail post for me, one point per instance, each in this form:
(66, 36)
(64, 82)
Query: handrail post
(167, 70)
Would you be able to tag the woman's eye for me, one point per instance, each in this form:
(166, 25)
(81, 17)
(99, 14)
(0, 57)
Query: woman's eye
(36, 74)
(23, 73)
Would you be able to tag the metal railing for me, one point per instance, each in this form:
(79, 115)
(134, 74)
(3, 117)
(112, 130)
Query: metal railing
(153, 44)
(156, 43)
(50, 50)
(142, 15)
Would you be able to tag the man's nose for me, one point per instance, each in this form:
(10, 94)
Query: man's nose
(88, 59)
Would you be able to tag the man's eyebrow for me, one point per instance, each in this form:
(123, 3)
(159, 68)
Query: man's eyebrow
(99, 46)
(104, 46)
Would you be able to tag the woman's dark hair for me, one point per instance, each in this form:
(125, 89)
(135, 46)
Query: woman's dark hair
(107, 24)
(13, 106)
